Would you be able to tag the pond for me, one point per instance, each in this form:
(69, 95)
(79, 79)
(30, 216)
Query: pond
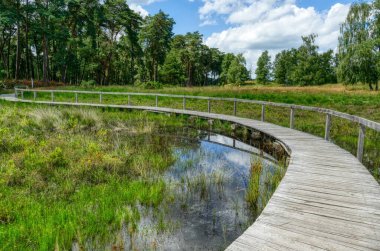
(217, 187)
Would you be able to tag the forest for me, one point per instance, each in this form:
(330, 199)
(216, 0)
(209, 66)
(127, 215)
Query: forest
(105, 42)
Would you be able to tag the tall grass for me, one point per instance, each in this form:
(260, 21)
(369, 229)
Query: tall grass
(73, 175)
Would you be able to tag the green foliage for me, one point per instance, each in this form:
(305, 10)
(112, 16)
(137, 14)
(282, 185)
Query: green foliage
(78, 181)
(359, 46)
(264, 68)
(88, 84)
(172, 72)
(151, 85)
(304, 66)
(233, 69)
(156, 35)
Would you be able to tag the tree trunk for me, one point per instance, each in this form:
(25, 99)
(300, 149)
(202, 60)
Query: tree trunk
(45, 67)
(17, 66)
(8, 59)
(27, 54)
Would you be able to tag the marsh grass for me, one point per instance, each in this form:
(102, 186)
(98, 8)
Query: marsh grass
(70, 175)
(355, 100)
(253, 190)
(263, 182)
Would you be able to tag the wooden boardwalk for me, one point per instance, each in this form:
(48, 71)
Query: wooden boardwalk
(326, 201)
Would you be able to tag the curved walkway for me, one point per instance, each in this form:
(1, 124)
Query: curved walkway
(327, 200)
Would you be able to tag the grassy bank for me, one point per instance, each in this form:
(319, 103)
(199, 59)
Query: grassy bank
(76, 175)
(83, 177)
(356, 100)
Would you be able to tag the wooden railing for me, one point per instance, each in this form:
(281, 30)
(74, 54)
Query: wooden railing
(362, 122)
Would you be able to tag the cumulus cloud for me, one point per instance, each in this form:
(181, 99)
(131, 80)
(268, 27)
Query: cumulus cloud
(274, 25)
(137, 6)
(139, 9)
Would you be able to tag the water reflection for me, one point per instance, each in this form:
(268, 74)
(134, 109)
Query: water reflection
(206, 206)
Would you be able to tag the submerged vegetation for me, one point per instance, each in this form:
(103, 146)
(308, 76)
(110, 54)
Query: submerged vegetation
(77, 177)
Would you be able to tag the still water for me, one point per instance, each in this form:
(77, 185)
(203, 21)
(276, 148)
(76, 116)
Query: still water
(207, 206)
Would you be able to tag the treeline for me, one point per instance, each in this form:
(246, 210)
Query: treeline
(357, 59)
(106, 42)
(302, 66)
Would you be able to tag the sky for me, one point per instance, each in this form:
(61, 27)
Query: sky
(252, 26)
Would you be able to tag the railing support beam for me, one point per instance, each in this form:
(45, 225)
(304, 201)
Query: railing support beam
(361, 139)
(52, 96)
(156, 101)
(235, 107)
(209, 106)
(328, 127)
(263, 113)
(184, 103)
(292, 113)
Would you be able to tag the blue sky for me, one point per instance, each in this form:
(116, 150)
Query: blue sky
(187, 18)
(252, 26)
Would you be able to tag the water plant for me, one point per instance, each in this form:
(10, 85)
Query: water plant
(253, 189)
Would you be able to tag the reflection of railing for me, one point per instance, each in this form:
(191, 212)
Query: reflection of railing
(362, 122)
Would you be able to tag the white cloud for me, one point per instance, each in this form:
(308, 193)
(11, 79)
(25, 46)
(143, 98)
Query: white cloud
(141, 2)
(139, 9)
(274, 25)
(137, 6)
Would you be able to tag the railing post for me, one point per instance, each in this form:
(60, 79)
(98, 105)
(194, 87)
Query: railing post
(76, 97)
(22, 95)
(328, 127)
(209, 105)
(52, 96)
(361, 139)
(263, 113)
(156, 101)
(100, 97)
(34, 95)
(292, 113)
(129, 99)
(184, 103)
(235, 107)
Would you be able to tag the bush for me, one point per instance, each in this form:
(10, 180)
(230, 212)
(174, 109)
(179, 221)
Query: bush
(57, 159)
(88, 84)
(151, 85)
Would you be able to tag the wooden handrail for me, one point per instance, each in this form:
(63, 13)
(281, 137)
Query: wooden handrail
(363, 123)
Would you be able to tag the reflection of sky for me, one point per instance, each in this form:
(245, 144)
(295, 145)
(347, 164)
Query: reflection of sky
(227, 208)
(219, 156)
(204, 222)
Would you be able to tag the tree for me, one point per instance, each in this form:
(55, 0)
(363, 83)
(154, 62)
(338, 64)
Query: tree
(357, 51)
(72, 41)
(305, 72)
(156, 36)
(226, 63)
(172, 71)
(304, 66)
(237, 71)
(264, 68)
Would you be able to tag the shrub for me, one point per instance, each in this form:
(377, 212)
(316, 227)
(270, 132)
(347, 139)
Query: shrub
(88, 84)
(151, 85)
(58, 159)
